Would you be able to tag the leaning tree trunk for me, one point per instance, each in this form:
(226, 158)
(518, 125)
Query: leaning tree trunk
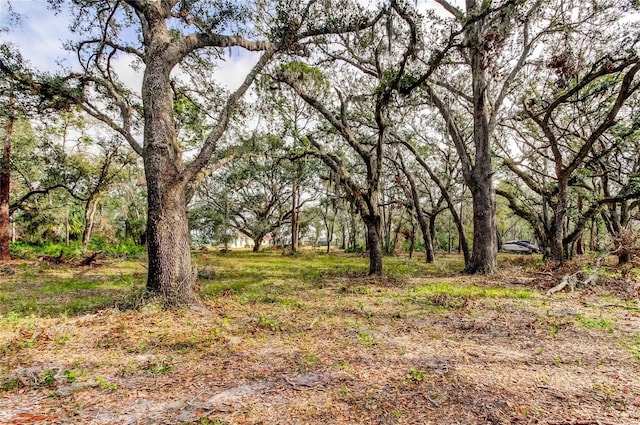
(374, 242)
(90, 211)
(424, 224)
(429, 251)
(412, 239)
(426, 236)
(5, 183)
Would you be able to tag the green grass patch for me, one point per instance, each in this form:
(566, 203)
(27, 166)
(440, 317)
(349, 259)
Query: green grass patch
(56, 290)
(469, 291)
(266, 277)
(603, 325)
(633, 345)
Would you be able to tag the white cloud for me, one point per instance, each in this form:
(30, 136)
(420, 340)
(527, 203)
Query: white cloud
(39, 33)
(232, 72)
(40, 36)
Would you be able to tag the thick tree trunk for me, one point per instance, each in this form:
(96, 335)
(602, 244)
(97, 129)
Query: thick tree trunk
(580, 245)
(169, 247)
(484, 255)
(257, 243)
(429, 251)
(557, 252)
(432, 230)
(168, 239)
(5, 185)
(624, 257)
(374, 242)
(484, 258)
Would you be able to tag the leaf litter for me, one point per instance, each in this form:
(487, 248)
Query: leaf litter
(375, 353)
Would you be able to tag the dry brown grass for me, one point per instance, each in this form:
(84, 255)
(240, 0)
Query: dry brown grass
(333, 348)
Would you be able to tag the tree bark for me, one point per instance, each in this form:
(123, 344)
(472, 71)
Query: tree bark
(257, 243)
(169, 247)
(422, 221)
(374, 242)
(484, 254)
(329, 226)
(557, 252)
(295, 226)
(90, 210)
(463, 244)
(169, 244)
(5, 184)
(579, 240)
(353, 240)
(387, 213)
(412, 238)
(624, 257)
(484, 257)
(428, 242)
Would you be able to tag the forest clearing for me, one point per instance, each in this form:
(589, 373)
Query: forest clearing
(311, 339)
(277, 212)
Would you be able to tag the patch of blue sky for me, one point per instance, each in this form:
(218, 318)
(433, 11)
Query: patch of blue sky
(40, 34)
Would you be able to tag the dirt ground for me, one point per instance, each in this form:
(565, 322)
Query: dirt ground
(342, 349)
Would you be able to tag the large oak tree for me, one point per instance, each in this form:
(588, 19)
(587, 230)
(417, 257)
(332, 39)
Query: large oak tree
(176, 43)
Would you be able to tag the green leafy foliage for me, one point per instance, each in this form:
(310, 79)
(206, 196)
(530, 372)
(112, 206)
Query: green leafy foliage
(31, 250)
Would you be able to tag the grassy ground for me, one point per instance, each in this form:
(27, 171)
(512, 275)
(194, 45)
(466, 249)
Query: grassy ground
(312, 340)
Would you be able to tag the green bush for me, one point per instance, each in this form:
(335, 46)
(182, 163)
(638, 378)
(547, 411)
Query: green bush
(32, 250)
(123, 248)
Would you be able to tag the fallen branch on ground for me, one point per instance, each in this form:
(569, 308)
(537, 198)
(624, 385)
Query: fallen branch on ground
(87, 261)
(52, 259)
(571, 280)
